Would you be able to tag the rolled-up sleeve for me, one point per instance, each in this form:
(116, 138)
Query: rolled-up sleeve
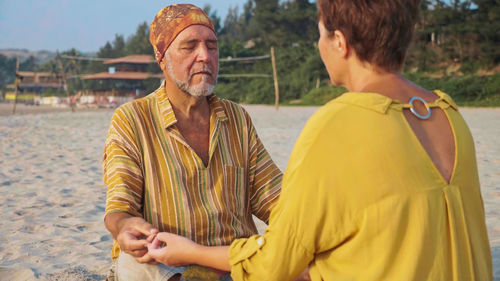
(270, 257)
(122, 169)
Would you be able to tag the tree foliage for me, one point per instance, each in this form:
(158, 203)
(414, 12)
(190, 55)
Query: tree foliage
(452, 38)
(138, 43)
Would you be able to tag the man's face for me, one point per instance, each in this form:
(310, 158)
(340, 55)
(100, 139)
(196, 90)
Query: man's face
(191, 61)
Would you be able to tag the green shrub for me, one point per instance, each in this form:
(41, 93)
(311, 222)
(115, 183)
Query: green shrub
(470, 67)
(230, 91)
(54, 93)
(470, 90)
(464, 88)
(492, 85)
(322, 95)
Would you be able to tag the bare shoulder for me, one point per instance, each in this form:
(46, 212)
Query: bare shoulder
(412, 90)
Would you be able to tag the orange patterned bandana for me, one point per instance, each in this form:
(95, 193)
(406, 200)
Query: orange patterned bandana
(170, 21)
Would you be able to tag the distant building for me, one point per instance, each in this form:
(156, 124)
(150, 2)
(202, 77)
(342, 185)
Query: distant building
(33, 85)
(124, 81)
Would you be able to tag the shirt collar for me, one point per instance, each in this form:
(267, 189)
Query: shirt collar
(381, 103)
(216, 108)
(167, 114)
(372, 101)
(445, 99)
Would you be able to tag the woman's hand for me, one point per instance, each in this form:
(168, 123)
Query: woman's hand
(172, 250)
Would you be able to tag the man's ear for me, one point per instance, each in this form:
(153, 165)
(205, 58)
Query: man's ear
(340, 44)
(162, 63)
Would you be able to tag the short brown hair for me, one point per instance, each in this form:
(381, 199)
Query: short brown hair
(380, 31)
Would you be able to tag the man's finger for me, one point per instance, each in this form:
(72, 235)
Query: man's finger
(138, 253)
(146, 228)
(133, 244)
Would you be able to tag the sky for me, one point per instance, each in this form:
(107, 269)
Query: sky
(85, 25)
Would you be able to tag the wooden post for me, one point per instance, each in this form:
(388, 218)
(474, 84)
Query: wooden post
(59, 62)
(16, 83)
(275, 76)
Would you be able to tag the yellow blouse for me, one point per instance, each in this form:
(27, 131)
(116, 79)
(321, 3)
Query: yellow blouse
(361, 200)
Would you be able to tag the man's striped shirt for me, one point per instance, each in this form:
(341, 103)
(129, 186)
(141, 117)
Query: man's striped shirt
(151, 172)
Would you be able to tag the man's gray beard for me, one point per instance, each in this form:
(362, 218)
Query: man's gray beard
(203, 89)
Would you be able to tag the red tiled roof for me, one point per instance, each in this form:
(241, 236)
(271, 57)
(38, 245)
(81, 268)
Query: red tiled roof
(121, 76)
(135, 59)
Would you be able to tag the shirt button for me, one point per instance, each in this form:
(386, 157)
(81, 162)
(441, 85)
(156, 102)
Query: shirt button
(260, 241)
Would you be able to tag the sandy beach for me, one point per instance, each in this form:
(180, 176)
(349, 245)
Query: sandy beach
(6, 109)
(52, 195)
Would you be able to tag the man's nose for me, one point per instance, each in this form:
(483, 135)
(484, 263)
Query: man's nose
(203, 53)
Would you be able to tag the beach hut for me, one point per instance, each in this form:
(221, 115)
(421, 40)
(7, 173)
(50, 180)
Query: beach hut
(126, 79)
(35, 85)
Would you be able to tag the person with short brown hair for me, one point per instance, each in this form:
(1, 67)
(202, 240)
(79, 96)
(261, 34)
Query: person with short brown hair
(382, 183)
(378, 31)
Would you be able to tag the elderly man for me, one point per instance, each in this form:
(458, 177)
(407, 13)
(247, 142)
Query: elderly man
(181, 160)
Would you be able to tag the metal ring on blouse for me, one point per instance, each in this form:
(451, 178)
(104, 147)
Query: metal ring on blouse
(412, 108)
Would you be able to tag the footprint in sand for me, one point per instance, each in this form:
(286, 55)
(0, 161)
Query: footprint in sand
(6, 183)
(104, 238)
(61, 226)
(81, 227)
(20, 213)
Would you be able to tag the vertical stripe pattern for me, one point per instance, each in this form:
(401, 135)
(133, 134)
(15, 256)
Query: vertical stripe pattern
(151, 172)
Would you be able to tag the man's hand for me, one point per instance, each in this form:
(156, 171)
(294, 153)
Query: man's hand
(132, 234)
(146, 258)
(133, 238)
(134, 243)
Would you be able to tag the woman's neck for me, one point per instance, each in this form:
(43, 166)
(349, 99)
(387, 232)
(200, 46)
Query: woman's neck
(390, 84)
(363, 77)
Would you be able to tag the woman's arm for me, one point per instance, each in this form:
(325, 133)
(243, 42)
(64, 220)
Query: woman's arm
(179, 251)
(183, 251)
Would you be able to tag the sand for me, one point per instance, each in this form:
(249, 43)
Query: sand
(6, 109)
(52, 196)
